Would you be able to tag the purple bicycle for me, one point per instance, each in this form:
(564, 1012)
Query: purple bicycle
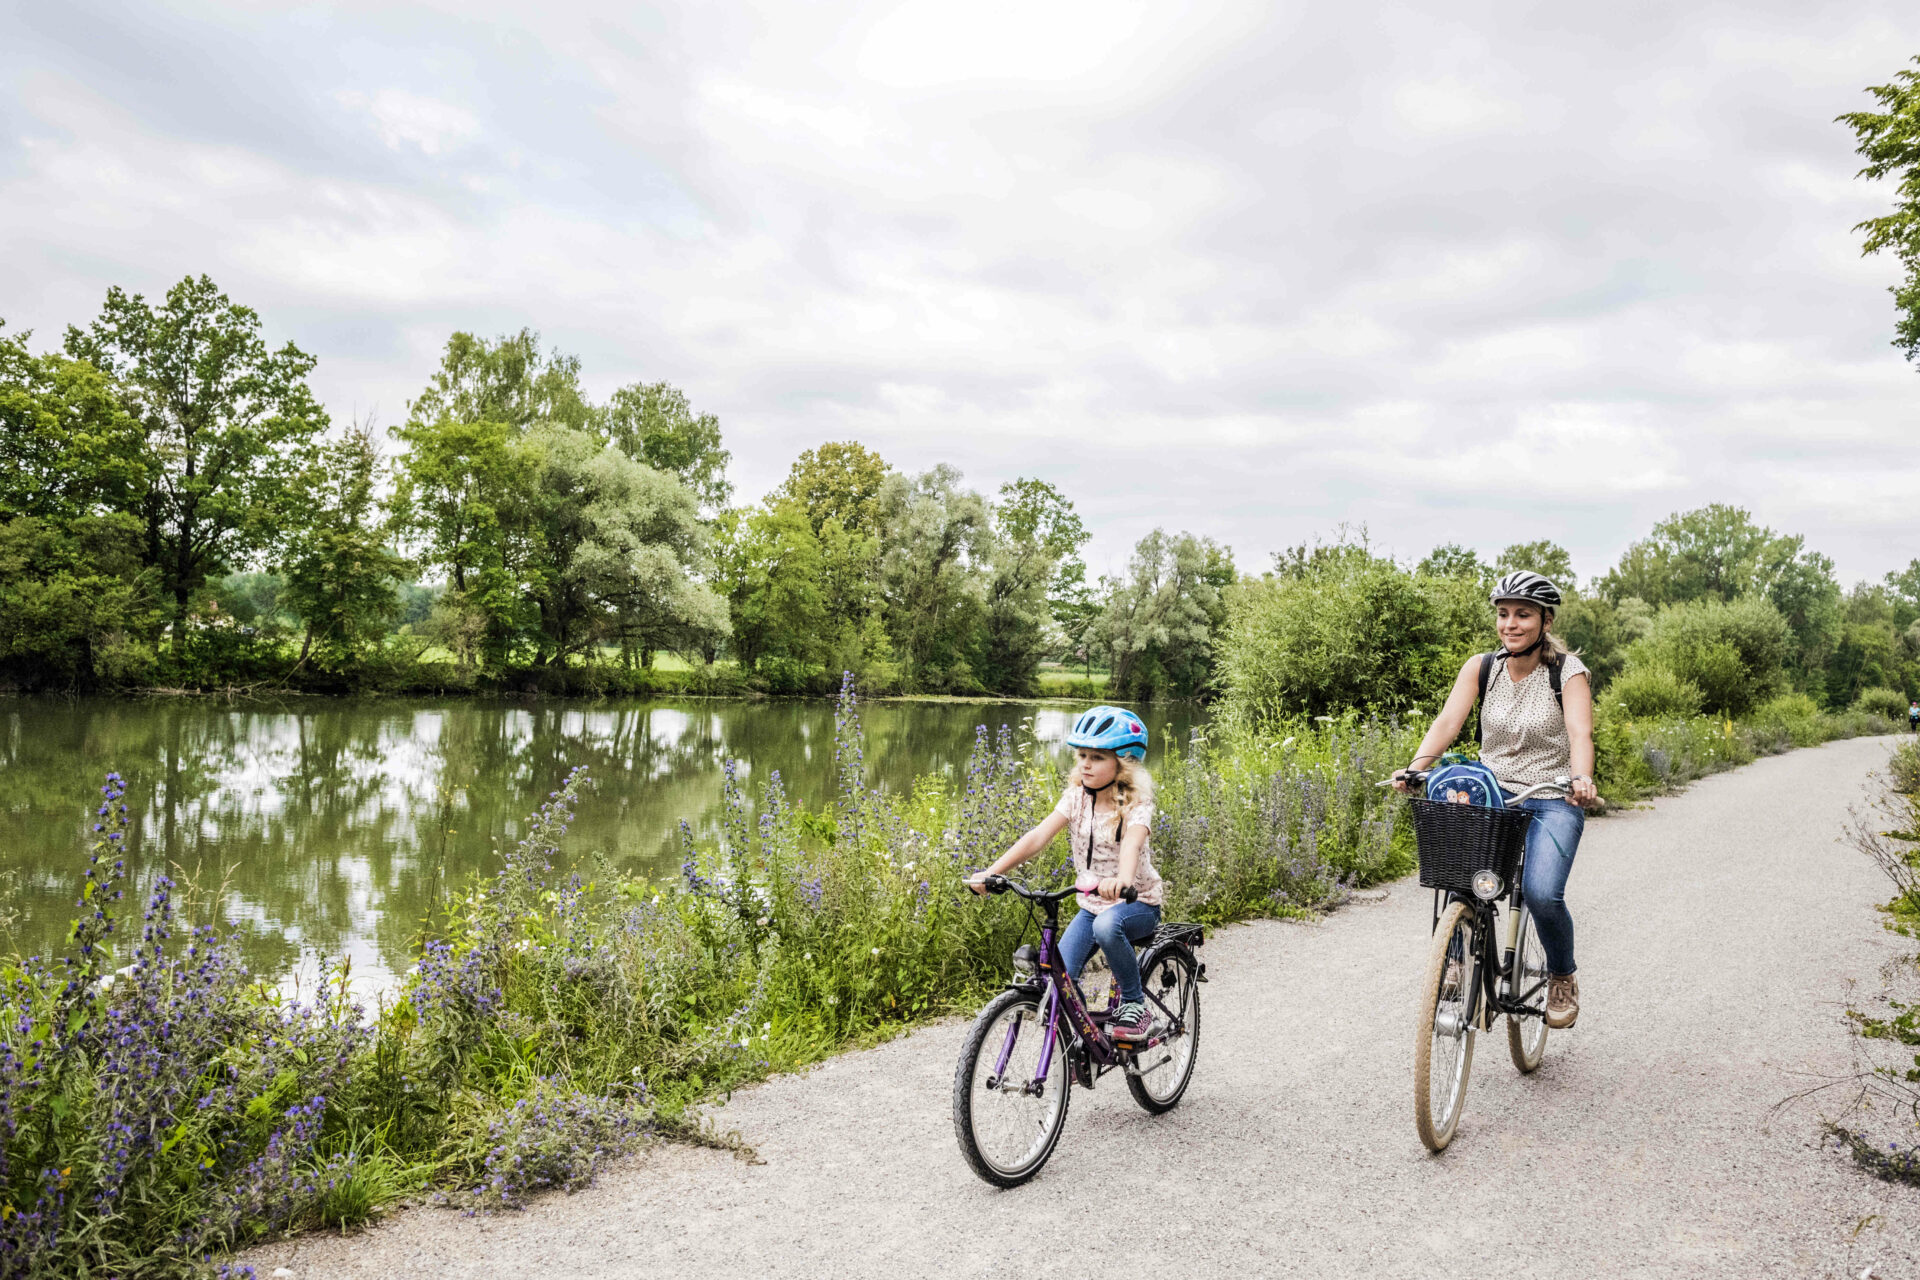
(1038, 1037)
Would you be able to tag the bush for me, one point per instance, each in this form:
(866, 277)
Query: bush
(1903, 769)
(1653, 692)
(1344, 632)
(1887, 703)
(1734, 652)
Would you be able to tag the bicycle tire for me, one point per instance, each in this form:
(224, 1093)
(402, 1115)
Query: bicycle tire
(1456, 1044)
(1174, 976)
(1527, 1037)
(981, 1049)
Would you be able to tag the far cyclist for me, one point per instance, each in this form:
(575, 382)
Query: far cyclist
(1913, 715)
(1536, 725)
(1107, 813)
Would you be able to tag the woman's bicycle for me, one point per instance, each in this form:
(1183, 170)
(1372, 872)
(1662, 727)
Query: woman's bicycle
(1471, 856)
(1038, 1038)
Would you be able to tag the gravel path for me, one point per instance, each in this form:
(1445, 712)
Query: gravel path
(1719, 932)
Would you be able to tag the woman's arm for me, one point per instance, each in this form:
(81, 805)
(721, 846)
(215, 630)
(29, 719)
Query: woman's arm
(1132, 841)
(1576, 701)
(1452, 718)
(1022, 849)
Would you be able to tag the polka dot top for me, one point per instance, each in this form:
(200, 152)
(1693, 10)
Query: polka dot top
(1523, 734)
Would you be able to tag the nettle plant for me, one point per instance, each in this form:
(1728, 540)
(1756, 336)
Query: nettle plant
(154, 1112)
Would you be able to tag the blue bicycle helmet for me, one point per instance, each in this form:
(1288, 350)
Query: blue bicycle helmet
(1110, 729)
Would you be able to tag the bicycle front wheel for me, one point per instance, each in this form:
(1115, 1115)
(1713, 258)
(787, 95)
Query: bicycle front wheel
(1443, 1050)
(1158, 1076)
(1527, 1037)
(1007, 1115)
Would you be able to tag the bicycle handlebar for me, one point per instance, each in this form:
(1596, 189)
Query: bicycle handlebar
(1562, 785)
(1000, 884)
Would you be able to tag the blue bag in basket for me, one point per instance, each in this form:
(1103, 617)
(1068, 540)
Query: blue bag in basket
(1462, 781)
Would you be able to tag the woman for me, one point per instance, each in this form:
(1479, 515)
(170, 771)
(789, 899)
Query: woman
(1536, 725)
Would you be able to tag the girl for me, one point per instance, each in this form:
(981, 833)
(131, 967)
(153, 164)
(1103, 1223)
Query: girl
(1536, 724)
(1107, 812)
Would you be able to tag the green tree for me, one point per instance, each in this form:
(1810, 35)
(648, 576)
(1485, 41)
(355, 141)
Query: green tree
(653, 423)
(68, 446)
(840, 480)
(1542, 557)
(768, 564)
(1350, 631)
(75, 600)
(1451, 560)
(509, 380)
(1160, 622)
(339, 571)
(1036, 532)
(226, 426)
(934, 540)
(1735, 652)
(615, 546)
(1889, 140)
(1602, 630)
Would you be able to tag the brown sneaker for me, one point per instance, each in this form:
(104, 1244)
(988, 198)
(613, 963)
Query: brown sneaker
(1563, 1001)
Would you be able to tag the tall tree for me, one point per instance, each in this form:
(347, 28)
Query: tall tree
(1162, 619)
(226, 426)
(1036, 534)
(653, 423)
(1890, 141)
(1542, 557)
(508, 380)
(340, 573)
(935, 534)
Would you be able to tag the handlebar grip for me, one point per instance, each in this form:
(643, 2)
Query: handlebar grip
(996, 884)
(1129, 894)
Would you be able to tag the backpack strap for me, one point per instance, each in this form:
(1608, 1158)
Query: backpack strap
(1553, 680)
(1486, 678)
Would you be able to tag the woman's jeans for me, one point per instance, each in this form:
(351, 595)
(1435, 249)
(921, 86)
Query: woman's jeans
(1116, 930)
(1553, 837)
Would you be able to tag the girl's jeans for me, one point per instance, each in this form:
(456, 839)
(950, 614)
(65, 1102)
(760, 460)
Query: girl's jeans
(1553, 837)
(1116, 930)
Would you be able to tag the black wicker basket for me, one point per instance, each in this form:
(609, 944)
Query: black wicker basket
(1457, 840)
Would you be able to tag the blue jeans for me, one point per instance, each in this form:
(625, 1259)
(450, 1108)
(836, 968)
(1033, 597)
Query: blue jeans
(1116, 930)
(1553, 837)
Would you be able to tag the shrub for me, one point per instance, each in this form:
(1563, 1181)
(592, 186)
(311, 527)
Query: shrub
(1734, 652)
(1653, 692)
(1342, 632)
(1887, 703)
(1903, 768)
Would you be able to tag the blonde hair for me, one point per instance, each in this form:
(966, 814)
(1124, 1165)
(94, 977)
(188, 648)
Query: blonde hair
(1132, 787)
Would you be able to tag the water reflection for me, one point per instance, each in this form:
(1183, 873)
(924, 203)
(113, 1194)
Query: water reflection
(333, 827)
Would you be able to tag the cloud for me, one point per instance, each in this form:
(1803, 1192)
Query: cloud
(1457, 272)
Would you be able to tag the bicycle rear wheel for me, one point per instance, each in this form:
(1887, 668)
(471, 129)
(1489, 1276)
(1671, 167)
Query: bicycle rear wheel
(1158, 1076)
(1443, 1050)
(1007, 1117)
(1527, 1037)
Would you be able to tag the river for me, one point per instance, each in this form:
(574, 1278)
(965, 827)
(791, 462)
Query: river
(334, 827)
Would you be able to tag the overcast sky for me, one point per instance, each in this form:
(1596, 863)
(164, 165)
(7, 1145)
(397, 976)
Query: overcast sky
(1483, 272)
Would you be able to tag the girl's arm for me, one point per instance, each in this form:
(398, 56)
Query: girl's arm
(1452, 718)
(1576, 701)
(1132, 841)
(1022, 849)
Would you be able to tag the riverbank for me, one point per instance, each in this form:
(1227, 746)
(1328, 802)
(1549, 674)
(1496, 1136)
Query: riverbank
(562, 1017)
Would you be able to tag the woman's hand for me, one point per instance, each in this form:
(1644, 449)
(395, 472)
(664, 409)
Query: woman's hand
(1110, 888)
(978, 881)
(1585, 794)
(1400, 782)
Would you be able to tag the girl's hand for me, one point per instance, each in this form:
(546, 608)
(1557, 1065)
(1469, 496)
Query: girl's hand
(1585, 794)
(1110, 889)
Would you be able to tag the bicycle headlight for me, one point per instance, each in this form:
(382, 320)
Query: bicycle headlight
(1486, 886)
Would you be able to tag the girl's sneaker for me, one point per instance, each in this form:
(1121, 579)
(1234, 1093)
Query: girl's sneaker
(1131, 1022)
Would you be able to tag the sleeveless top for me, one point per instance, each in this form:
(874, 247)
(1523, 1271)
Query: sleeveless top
(1076, 806)
(1523, 731)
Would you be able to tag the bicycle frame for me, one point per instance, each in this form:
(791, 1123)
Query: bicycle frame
(1092, 1053)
